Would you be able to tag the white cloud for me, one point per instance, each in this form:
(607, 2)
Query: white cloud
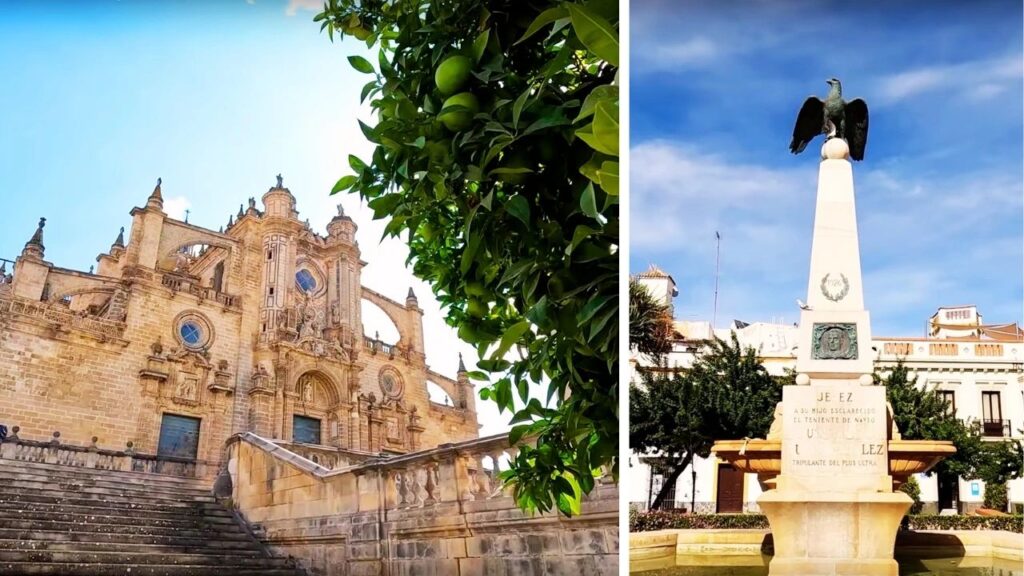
(976, 79)
(694, 52)
(175, 207)
(310, 5)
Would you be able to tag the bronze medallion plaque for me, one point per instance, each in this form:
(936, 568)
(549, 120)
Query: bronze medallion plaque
(834, 341)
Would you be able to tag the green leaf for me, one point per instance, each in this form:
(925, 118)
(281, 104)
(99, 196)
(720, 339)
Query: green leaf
(587, 135)
(356, 164)
(344, 183)
(595, 33)
(545, 18)
(480, 45)
(601, 93)
(606, 127)
(366, 90)
(361, 64)
(609, 177)
(510, 337)
(588, 202)
(368, 132)
(517, 108)
(419, 142)
(520, 208)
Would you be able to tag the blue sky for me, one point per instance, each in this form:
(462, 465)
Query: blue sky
(715, 88)
(101, 98)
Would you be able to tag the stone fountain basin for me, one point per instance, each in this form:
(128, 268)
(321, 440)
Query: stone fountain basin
(764, 457)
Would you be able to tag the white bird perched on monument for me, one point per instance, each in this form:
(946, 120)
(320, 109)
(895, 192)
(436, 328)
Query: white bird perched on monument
(802, 305)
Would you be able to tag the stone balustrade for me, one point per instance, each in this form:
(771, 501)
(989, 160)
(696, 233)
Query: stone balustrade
(953, 350)
(436, 511)
(53, 451)
(328, 457)
(59, 317)
(189, 285)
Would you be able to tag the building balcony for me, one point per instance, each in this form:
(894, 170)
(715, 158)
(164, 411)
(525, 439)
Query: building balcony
(190, 285)
(996, 428)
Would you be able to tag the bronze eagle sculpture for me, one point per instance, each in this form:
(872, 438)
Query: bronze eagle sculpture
(832, 116)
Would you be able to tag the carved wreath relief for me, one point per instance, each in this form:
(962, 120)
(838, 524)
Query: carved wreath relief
(834, 341)
(835, 288)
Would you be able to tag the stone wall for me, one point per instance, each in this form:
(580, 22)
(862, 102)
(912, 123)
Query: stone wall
(438, 511)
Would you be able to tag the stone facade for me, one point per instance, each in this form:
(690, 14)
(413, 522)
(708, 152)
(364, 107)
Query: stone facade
(436, 512)
(252, 328)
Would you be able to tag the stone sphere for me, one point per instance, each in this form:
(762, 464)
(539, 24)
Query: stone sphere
(866, 380)
(835, 149)
(803, 379)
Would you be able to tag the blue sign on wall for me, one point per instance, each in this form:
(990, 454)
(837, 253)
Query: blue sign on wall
(975, 489)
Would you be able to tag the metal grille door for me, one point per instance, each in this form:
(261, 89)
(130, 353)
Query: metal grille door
(179, 436)
(305, 430)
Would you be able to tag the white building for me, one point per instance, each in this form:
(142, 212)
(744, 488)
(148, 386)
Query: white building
(978, 367)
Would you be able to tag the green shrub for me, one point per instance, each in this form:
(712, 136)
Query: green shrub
(995, 496)
(912, 489)
(662, 520)
(1013, 523)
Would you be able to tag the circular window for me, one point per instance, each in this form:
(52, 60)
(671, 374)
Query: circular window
(306, 281)
(390, 382)
(193, 331)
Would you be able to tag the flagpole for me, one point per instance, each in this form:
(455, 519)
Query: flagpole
(718, 245)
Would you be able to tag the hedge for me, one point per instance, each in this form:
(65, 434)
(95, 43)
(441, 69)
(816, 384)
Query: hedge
(660, 520)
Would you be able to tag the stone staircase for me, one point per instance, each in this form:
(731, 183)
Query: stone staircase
(76, 521)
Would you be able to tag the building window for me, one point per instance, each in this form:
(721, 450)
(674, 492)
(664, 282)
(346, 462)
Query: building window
(306, 281)
(305, 429)
(193, 331)
(949, 397)
(991, 414)
(390, 382)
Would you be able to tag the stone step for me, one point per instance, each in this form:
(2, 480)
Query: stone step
(121, 557)
(137, 503)
(247, 549)
(117, 492)
(79, 569)
(64, 471)
(99, 482)
(233, 541)
(72, 527)
(142, 519)
(211, 511)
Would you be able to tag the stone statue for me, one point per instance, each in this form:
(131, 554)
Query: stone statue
(335, 313)
(280, 181)
(307, 391)
(835, 117)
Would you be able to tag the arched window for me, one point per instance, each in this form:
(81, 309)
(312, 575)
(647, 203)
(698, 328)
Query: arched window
(305, 281)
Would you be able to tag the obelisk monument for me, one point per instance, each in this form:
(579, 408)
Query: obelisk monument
(833, 510)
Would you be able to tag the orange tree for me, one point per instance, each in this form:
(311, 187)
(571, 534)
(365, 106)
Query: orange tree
(497, 159)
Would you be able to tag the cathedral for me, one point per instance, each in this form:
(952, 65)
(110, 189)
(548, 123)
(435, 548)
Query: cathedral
(184, 336)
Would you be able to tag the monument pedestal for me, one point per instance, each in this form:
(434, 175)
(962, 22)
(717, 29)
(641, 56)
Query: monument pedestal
(834, 533)
(833, 511)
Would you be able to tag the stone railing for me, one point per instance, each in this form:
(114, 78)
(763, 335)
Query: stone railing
(441, 510)
(179, 283)
(128, 460)
(954, 350)
(60, 317)
(375, 345)
(327, 457)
